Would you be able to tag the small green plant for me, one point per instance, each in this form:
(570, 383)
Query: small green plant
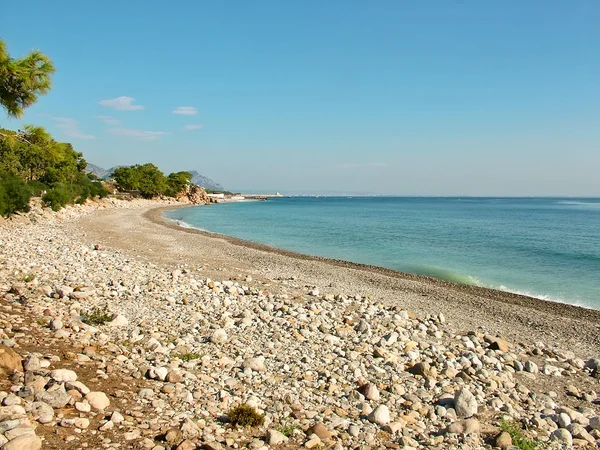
(28, 278)
(96, 316)
(185, 357)
(287, 429)
(245, 416)
(518, 438)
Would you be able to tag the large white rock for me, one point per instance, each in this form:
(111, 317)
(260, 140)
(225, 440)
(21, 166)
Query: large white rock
(63, 375)
(465, 403)
(24, 442)
(380, 415)
(98, 400)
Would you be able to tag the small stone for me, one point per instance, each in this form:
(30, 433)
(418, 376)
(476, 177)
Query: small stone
(31, 362)
(117, 417)
(563, 420)
(274, 437)
(472, 426)
(562, 435)
(10, 361)
(320, 430)
(257, 364)
(504, 440)
(371, 392)
(119, 321)
(219, 336)
(465, 403)
(98, 400)
(63, 375)
(380, 415)
(42, 412)
(83, 406)
(531, 367)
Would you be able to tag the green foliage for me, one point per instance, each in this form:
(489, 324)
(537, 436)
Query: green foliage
(177, 182)
(245, 416)
(59, 196)
(518, 438)
(14, 194)
(23, 80)
(287, 429)
(185, 357)
(96, 316)
(149, 181)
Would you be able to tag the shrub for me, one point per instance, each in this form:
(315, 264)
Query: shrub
(59, 196)
(96, 316)
(518, 438)
(245, 416)
(14, 195)
(189, 356)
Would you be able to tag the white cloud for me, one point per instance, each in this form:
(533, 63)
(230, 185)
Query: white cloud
(186, 110)
(139, 135)
(192, 127)
(109, 120)
(121, 104)
(360, 165)
(70, 127)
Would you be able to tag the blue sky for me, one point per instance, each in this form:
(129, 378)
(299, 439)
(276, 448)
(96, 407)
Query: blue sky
(440, 97)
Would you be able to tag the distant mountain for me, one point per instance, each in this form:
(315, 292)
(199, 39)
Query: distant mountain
(100, 172)
(198, 179)
(205, 182)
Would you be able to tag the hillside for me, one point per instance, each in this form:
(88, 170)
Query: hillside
(197, 178)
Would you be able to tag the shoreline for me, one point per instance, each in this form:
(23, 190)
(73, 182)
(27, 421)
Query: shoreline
(157, 216)
(145, 232)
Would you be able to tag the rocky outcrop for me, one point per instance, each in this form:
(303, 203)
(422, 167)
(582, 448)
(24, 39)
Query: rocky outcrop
(194, 195)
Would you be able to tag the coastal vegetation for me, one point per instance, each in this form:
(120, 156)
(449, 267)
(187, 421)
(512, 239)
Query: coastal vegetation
(34, 164)
(150, 181)
(245, 416)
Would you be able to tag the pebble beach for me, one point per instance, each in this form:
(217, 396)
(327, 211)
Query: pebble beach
(332, 354)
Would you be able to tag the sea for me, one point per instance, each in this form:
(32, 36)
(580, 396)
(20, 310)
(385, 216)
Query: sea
(547, 248)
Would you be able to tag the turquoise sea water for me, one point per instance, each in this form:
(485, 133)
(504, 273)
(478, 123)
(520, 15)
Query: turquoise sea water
(543, 247)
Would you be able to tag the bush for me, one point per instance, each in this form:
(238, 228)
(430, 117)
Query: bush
(14, 195)
(245, 416)
(518, 438)
(96, 316)
(59, 196)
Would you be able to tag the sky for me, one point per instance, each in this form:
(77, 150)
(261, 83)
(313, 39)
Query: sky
(443, 97)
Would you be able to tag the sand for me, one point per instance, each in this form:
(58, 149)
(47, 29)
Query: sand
(145, 233)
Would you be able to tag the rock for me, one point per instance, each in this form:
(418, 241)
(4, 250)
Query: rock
(10, 361)
(63, 375)
(42, 412)
(274, 437)
(497, 343)
(530, 367)
(595, 423)
(119, 321)
(117, 417)
(563, 420)
(98, 400)
(371, 392)
(320, 430)
(465, 403)
(56, 396)
(175, 376)
(312, 443)
(219, 336)
(186, 445)
(472, 426)
(257, 364)
(24, 442)
(83, 406)
(158, 373)
(503, 440)
(380, 415)
(562, 435)
(56, 324)
(189, 429)
(31, 362)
